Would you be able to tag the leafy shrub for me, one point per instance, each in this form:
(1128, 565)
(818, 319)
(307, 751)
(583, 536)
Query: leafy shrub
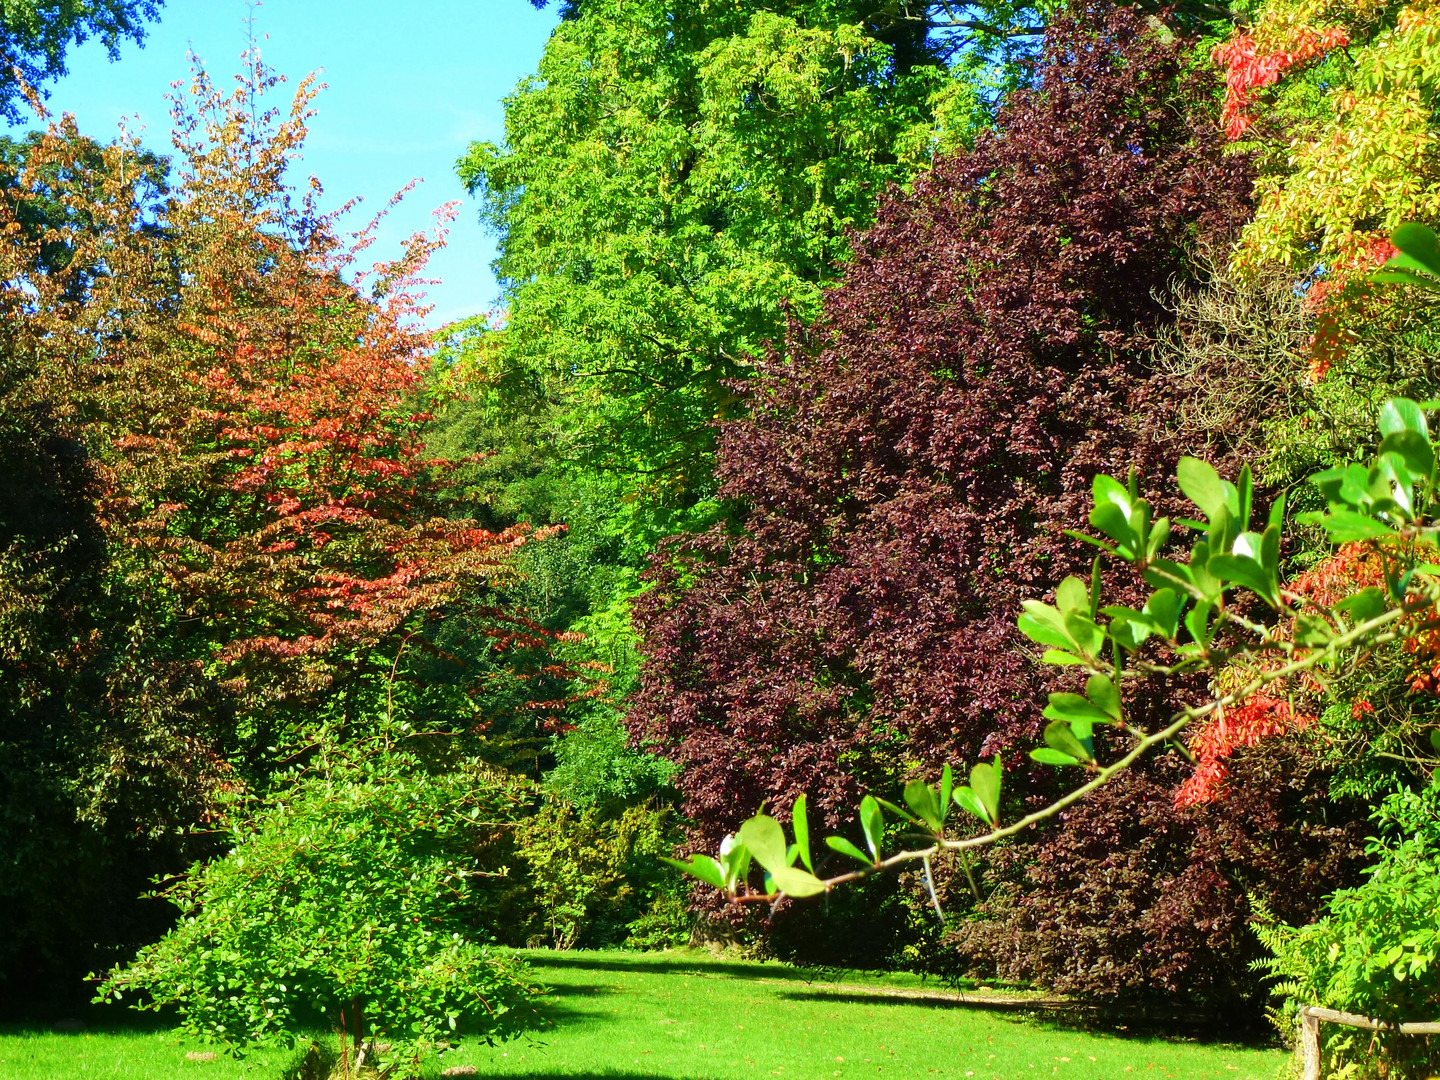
(344, 901)
(1376, 951)
(595, 765)
(597, 877)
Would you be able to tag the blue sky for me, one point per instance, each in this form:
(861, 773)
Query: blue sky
(410, 85)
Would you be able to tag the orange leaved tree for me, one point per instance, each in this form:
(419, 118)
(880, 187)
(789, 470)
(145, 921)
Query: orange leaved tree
(218, 526)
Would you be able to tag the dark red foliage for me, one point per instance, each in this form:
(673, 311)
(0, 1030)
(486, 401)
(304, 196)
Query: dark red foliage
(904, 477)
(1132, 896)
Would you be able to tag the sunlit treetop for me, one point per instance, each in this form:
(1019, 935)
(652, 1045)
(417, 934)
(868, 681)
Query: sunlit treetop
(35, 34)
(918, 31)
(1364, 161)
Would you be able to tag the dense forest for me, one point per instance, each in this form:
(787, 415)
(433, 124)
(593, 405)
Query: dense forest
(838, 338)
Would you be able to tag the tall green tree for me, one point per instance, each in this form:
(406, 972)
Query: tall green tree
(35, 35)
(676, 181)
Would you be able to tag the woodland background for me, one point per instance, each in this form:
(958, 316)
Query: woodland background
(819, 320)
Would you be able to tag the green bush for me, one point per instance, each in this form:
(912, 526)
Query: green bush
(1377, 950)
(344, 901)
(597, 876)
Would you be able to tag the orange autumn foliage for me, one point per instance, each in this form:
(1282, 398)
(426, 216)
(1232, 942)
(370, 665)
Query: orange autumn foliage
(1262, 716)
(1354, 566)
(1250, 67)
(249, 393)
(1247, 724)
(281, 489)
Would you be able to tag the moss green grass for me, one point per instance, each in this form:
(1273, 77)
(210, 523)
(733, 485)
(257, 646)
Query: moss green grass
(689, 1016)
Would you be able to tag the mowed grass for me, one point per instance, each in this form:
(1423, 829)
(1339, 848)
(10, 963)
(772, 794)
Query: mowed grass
(689, 1016)
(116, 1049)
(679, 1015)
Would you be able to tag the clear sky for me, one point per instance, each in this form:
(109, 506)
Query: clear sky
(410, 84)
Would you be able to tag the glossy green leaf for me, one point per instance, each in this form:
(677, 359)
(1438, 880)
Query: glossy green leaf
(1202, 486)
(845, 847)
(1111, 521)
(1164, 607)
(966, 798)
(1369, 603)
(1402, 414)
(734, 861)
(1128, 628)
(1344, 526)
(1277, 512)
(1067, 707)
(1197, 622)
(1419, 244)
(1101, 690)
(985, 782)
(1161, 573)
(1159, 536)
(1312, 632)
(1241, 494)
(1044, 625)
(702, 867)
(924, 803)
(947, 788)
(1071, 595)
(872, 823)
(1085, 632)
(795, 882)
(1412, 448)
(765, 839)
(1047, 756)
(800, 823)
(1247, 572)
(1059, 736)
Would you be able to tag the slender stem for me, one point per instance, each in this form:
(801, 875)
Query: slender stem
(965, 863)
(1368, 633)
(930, 885)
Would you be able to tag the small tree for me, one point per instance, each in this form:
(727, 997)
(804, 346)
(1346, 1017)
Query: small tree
(344, 899)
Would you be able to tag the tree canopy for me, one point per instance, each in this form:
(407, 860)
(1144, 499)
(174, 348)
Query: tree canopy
(35, 35)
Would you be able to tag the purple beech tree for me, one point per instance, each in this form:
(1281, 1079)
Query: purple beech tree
(906, 470)
(903, 481)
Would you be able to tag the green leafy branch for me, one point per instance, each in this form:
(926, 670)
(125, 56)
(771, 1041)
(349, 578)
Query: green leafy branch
(1385, 504)
(1193, 614)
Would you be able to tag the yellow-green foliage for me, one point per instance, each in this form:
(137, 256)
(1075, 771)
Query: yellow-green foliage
(597, 875)
(1370, 162)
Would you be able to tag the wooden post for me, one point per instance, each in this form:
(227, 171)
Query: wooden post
(1310, 1044)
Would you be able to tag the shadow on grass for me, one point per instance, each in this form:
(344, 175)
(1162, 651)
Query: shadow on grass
(1131, 1022)
(583, 990)
(109, 1019)
(700, 968)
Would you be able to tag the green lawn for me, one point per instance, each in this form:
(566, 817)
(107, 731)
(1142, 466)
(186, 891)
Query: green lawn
(628, 1016)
